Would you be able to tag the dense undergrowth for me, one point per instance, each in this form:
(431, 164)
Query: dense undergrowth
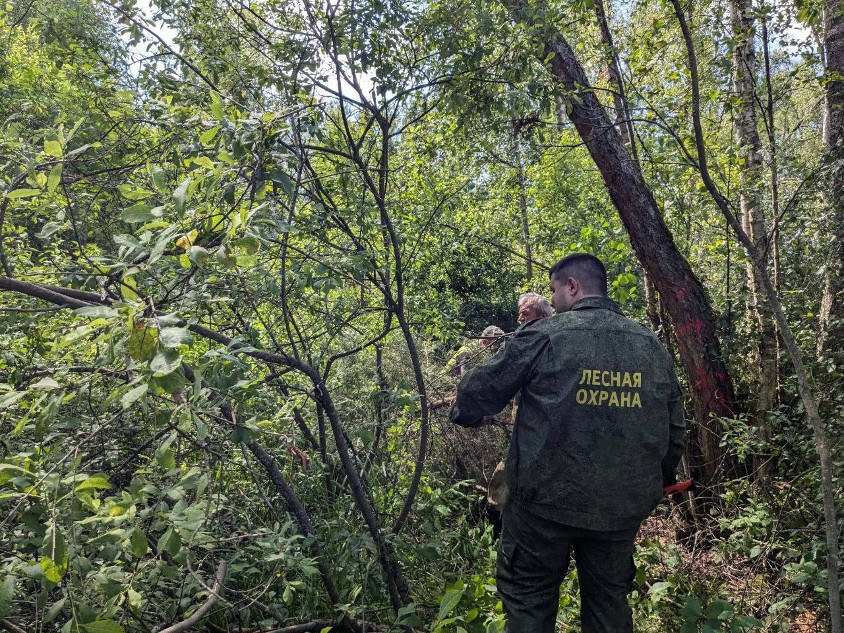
(121, 524)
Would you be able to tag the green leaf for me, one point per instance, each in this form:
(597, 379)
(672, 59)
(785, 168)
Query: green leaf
(249, 244)
(103, 626)
(143, 341)
(22, 193)
(173, 337)
(180, 195)
(691, 608)
(53, 148)
(226, 257)
(496, 626)
(129, 288)
(46, 384)
(279, 177)
(54, 552)
(198, 255)
(8, 399)
(7, 594)
(240, 435)
(132, 192)
(208, 135)
(55, 177)
(204, 161)
(719, 610)
(165, 362)
(449, 601)
(52, 571)
(97, 311)
(165, 458)
(97, 482)
(159, 179)
(133, 395)
(135, 599)
(217, 107)
(138, 543)
(79, 150)
(49, 228)
(54, 611)
(170, 542)
(658, 589)
(140, 212)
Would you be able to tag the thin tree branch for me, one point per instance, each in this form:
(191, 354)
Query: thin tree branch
(200, 613)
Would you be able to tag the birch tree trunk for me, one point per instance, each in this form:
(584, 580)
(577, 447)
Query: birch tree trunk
(753, 222)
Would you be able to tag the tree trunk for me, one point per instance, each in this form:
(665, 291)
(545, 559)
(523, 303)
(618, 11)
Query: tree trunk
(772, 148)
(523, 202)
(753, 221)
(523, 208)
(831, 317)
(622, 113)
(774, 175)
(684, 296)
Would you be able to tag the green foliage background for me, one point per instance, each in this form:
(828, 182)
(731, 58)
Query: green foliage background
(289, 216)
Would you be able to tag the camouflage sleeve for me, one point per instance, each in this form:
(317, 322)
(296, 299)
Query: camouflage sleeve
(486, 389)
(676, 430)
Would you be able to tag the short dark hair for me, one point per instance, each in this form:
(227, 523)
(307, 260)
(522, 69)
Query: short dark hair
(586, 268)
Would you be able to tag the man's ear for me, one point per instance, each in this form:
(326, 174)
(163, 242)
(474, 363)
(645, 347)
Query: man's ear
(573, 285)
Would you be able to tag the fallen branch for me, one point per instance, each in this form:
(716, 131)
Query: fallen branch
(200, 613)
(307, 627)
(319, 625)
(12, 628)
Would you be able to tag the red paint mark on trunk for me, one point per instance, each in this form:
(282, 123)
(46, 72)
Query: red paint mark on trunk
(697, 326)
(708, 383)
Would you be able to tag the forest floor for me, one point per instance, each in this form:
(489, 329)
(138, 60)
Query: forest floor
(751, 583)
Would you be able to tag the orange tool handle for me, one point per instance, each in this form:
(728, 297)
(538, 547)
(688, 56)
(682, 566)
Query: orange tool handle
(681, 486)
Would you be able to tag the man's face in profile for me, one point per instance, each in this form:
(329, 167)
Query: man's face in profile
(527, 312)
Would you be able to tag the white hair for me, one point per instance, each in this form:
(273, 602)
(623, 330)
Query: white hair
(541, 304)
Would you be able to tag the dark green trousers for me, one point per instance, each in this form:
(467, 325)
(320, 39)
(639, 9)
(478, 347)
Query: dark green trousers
(533, 560)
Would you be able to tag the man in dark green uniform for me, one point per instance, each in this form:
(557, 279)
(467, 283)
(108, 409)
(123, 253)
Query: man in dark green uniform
(599, 428)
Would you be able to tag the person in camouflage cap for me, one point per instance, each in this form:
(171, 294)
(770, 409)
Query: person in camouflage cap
(599, 429)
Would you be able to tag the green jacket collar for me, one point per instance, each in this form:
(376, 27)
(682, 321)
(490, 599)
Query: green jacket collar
(591, 303)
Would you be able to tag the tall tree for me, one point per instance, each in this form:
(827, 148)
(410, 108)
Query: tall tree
(753, 218)
(685, 298)
(831, 315)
